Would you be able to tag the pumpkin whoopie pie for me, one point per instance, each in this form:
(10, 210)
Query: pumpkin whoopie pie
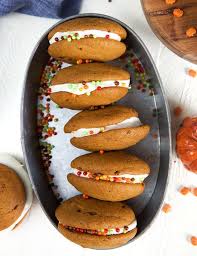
(94, 39)
(96, 224)
(15, 193)
(110, 128)
(112, 176)
(87, 85)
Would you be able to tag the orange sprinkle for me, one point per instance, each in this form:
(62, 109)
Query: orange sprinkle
(170, 1)
(194, 240)
(185, 190)
(128, 180)
(166, 208)
(155, 135)
(101, 152)
(192, 73)
(178, 13)
(177, 111)
(190, 32)
(85, 196)
(194, 191)
(85, 86)
(79, 61)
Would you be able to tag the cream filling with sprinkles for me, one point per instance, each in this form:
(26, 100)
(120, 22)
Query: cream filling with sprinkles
(130, 122)
(105, 231)
(124, 178)
(12, 163)
(77, 35)
(88, 87)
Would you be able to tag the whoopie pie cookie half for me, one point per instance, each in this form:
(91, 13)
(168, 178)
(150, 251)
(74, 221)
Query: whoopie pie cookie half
(112, 176)
(96, 224)
(15, 193)
(86, 85)
(110, 128)
(94, 39)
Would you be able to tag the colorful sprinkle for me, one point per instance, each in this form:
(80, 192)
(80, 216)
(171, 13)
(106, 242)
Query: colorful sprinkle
(101, 152)
(166, 208)
(78, 173)
(86, 86)
(194, 191)
(79, 61)
(85, 196)
(190, 32)
(192, 73)
(177, 111)
(170, 1)
(185, 190)
(178, 12)
(193, 240)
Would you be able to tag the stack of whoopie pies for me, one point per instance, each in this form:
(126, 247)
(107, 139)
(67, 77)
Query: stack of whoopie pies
(108, 174)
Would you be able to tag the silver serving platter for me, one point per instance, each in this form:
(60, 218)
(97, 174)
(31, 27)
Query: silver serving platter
(153, 110)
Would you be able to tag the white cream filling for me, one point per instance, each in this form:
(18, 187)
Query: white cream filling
(138, 178)
(122, 230)
(130, 122)
(88, 87)
(106, 231)
(82, 34)
(11, 162)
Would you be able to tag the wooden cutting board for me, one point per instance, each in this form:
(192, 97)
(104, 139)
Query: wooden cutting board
(172, 30)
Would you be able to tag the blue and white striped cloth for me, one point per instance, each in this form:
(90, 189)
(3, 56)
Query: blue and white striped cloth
(42, 8)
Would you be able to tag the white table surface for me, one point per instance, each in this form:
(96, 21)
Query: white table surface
(36, 236)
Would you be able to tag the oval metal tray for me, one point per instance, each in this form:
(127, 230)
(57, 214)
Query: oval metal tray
(153, 110)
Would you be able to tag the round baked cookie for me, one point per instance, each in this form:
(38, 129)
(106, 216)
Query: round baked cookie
(96, 224)
(85, 38)
(16, 194)
(87, 85)
(112, 176)
(112, 128)
(12, 197)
